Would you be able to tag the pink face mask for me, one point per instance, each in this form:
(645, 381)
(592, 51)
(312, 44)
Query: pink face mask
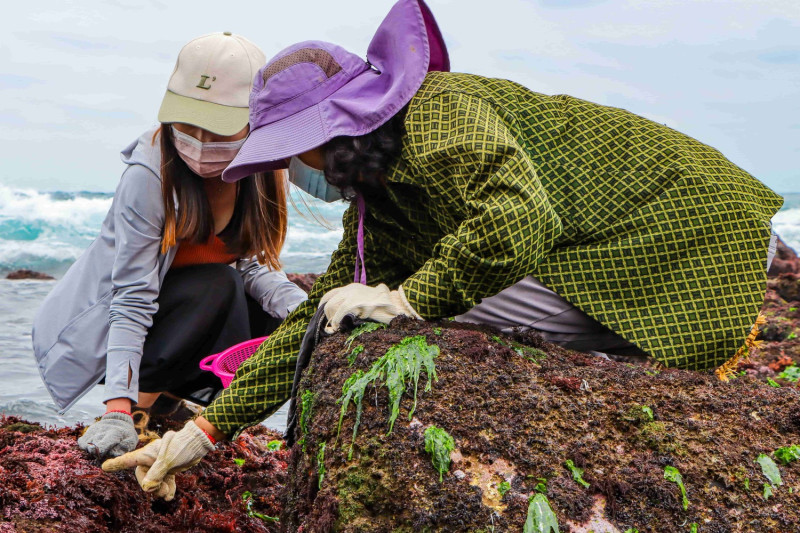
(207, 160)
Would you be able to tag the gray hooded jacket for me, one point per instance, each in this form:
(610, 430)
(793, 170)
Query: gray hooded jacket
(94, 321)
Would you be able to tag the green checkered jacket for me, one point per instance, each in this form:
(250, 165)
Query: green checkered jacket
(655, 235)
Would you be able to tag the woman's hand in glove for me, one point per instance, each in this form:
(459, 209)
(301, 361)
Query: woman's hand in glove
(111, 436)
(158, 462)
(367, 303)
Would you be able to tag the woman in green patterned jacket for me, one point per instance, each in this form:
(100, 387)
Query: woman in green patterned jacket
(479, 198)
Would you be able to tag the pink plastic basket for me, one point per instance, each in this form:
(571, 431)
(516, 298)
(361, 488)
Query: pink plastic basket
(225, 363)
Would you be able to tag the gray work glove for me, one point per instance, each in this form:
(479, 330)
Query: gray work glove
(111, 436)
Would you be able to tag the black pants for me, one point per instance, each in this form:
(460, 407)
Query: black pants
(202, 309)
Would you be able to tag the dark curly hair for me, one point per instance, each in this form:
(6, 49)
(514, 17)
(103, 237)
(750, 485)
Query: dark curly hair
(359, 164)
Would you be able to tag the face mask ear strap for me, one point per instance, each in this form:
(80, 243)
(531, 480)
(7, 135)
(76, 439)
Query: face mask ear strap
(197, 143)
(227, 145)
(185, 138)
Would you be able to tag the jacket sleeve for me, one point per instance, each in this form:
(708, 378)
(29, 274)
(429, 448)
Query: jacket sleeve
(138, 222)
(271, 288)
(264, 382)
(469, 157)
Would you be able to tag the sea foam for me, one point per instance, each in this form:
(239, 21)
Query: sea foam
(786, 223)
(47, 231)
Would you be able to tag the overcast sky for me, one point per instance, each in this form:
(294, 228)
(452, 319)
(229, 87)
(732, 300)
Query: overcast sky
(81, 79)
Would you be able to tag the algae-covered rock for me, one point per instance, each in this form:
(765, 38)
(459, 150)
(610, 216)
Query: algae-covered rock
(778, 358)
(660, 450)
(47, 484)
(527, 426)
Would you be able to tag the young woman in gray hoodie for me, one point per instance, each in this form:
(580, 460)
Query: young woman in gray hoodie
(158, 290)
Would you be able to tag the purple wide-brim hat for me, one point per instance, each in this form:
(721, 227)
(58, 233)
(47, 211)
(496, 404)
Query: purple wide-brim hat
(313, 91)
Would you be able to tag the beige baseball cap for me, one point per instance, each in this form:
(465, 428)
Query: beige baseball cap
(211, 83)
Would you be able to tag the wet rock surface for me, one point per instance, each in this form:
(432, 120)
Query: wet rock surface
(781, 334)
(304, 281)
(27, 274)
(517, 409)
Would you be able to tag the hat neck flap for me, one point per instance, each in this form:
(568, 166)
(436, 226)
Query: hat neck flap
(439, 59)
(406, 46)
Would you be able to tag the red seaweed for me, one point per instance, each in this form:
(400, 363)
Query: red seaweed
(48, 484)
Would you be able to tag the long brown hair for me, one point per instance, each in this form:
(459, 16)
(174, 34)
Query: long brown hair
(261, 224)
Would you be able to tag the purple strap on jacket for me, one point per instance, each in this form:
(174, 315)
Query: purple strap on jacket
(362, 277)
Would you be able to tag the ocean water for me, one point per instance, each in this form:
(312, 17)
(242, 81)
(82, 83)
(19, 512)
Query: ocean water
(47, 231)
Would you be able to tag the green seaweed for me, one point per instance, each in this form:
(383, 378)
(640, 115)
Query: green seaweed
(531, 354)
(320, 465)
(790, 373)
(673, 474)
(353, 390)
(772, 383)
(238, 462)
(770, 469)
(306, 405)
(631, 530)
(274, 445)
(437, 331)
(740, 475)
(503, 487)
(247, 498)
(22, 427)
(577, 473)
(541, 518)
(439, 444)
(401, 364)
(528, 352)
(367, 327)
(541, 486)
(656, 436)
(640, 415)
(767, 491)
(787, 454)
(693, 528)
(356, 351)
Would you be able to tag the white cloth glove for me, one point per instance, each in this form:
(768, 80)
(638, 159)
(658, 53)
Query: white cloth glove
(158, 462)
(112, 435)
(368, 303)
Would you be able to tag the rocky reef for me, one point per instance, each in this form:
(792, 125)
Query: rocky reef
(28, 274)
(778, 358)
(449, 427)
(601, 446)
(304, 281)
